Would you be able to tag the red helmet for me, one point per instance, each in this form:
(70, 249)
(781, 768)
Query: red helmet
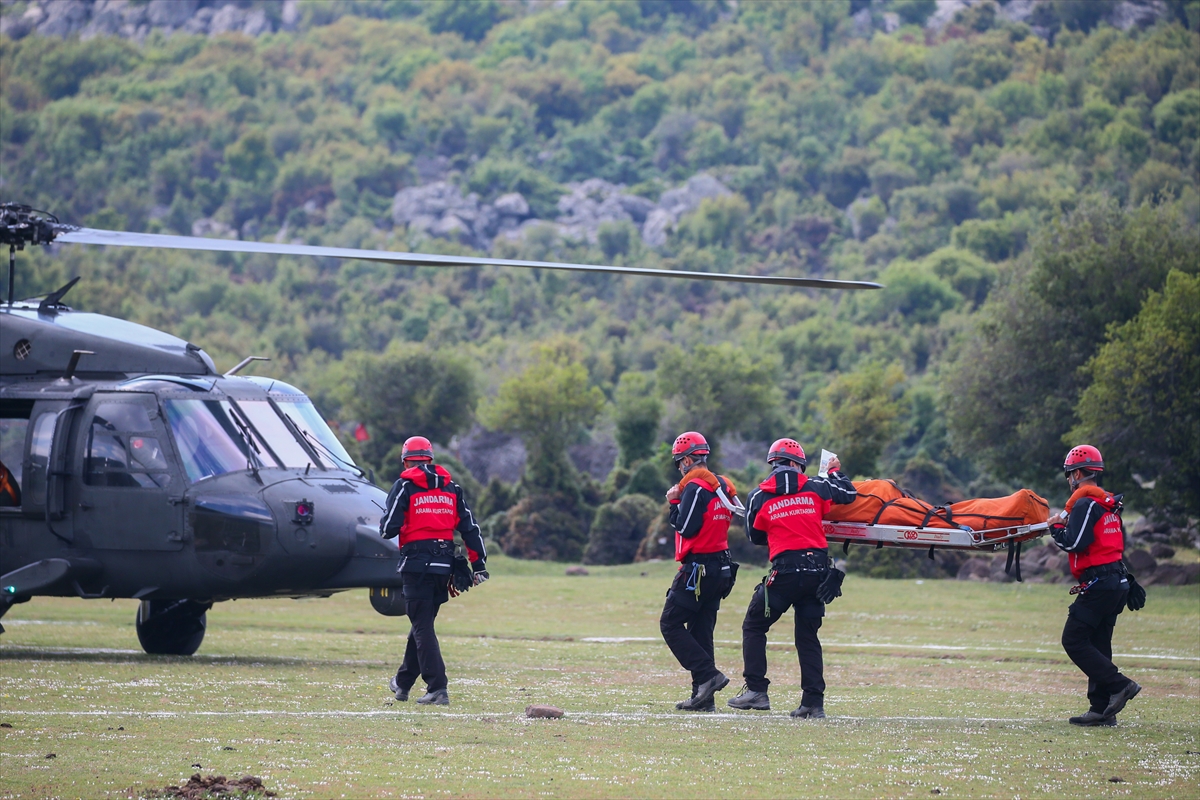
(1083, 457)
(689, 443)
(417, 448)
(789, 449)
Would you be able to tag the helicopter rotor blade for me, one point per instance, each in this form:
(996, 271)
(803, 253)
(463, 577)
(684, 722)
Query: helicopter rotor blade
(125, 239)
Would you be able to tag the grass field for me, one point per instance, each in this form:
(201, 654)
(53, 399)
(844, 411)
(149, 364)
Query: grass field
(936, 688)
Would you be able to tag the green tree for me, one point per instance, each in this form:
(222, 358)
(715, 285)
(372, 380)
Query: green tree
(619, 529)
(721, 389)
(1012, 391)
(548, 405)
(1143, 405)
(862, 409)
(409, 390)
(638, 413)
(470, 19)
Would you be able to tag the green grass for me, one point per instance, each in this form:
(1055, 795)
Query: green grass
(956, 687)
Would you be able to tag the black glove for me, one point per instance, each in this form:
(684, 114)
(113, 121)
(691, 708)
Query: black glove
(481, 575)
(1137, 595)
(461, 579)
(831, 587)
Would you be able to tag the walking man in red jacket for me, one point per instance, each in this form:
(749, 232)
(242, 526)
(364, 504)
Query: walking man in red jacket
(1094, 538)
(785, 514)
(702, 506)
(425, 508)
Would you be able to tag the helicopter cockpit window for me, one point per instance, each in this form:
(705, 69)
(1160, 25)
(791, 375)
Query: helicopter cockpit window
(124, 450)
(273, 435)
(209, 441)
(312, 427)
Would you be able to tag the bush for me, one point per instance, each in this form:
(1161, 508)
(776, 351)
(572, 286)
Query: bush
(619, 529)
(545, 526)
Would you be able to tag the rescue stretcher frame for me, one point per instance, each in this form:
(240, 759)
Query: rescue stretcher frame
(915, 537)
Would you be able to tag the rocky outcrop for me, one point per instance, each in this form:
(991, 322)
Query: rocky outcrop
(1124, 15)
(441, 209)
(134, 20)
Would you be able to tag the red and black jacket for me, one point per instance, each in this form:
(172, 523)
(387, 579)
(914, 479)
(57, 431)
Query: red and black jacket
(426, 504)
(1093, 535)
(700, 519)
(786, 509)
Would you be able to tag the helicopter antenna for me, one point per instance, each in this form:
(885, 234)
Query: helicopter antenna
(243, 363)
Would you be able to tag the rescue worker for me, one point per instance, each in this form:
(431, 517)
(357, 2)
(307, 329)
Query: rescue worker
(1090, 531)
(424, 508)
(785, 514)
(702, 506)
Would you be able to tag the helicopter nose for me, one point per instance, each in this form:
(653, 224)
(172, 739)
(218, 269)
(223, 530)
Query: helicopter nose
(319, 521)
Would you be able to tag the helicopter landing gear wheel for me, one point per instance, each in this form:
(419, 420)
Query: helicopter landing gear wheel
(171, 627)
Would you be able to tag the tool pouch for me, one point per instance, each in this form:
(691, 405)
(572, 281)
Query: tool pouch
(730, 572)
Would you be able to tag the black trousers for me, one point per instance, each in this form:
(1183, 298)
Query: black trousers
(423, 596)
(687, 623)
(789, 589)
(1087, 638)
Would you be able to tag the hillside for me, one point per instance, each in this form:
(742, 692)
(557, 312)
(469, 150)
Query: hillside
(966, 155)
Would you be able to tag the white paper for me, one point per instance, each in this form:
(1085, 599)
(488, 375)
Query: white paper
(826, 458)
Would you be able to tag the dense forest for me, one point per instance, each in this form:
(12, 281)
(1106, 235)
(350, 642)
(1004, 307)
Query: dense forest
(1025, 186)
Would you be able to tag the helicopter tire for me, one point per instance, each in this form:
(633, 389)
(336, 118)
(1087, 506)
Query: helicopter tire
(388, 601)
(171, 627)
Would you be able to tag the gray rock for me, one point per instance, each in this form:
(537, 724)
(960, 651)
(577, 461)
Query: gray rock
(891, 22)
(636, 207)
(512, 204)
(440, 209)
(107, 19)
(1171, 575)
(1126, 15)
(64, 17)
(170, 13)
(15, 27)
(489, 454)
(1016, 10)
(1141, 562)
(289, 15)
(687, 198)
(256, 23)
(658, 226)
(587, 206)
(201, 23)
(861, 25)
(206, 226)
(227, 19)
(1162, 551)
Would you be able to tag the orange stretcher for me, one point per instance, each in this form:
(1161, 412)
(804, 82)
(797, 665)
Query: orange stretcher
(884, 515)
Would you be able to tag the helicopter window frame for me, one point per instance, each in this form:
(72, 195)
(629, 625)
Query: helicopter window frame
(124, 432)
(189, 443)
(274, 443)
(332, 452)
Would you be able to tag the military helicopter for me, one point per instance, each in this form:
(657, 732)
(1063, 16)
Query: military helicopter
(132, 468)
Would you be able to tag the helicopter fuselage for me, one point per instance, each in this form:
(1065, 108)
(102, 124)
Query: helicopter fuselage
(179, 484)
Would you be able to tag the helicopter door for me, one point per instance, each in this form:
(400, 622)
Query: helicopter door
(131, 495)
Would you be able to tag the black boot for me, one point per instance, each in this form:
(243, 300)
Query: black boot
(401, 694)
(1093, 719)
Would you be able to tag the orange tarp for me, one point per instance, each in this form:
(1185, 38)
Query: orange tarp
(882, 502)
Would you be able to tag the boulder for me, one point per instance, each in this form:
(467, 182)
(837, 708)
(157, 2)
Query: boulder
(512, 204)
(64, 18)
(1162, 551)
(543, 712)
(573, 571)
(1141, 562)
(1126, 15)
(170, 13)
(1168, 574)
